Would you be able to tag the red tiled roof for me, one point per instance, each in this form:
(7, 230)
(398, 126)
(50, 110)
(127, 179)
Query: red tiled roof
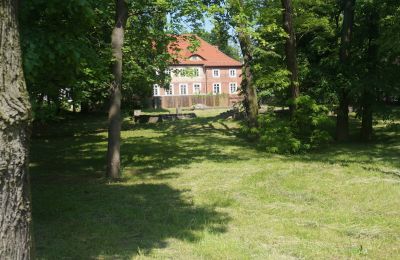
(210, 55)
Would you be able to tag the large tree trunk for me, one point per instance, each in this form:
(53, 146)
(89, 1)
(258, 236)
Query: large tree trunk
(114, 114)
(15, 207)
(290, 51)
(342, 120)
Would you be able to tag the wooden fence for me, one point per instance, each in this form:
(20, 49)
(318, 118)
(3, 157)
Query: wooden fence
(191, 100)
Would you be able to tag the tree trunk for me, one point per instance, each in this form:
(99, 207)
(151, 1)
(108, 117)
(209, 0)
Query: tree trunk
(250, 94)
(114, 113)
(366, 119)
(15, 207)
(290, 51)
(369, 92)
(342, 121)
(248, 89)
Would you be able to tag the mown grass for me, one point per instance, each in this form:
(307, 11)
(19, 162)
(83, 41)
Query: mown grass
(193, 190)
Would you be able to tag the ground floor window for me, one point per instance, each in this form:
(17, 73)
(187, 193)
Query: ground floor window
(232, 88)
(183, 89)
(217, 88)
(196, 88)
(169, 91)
(156, 90)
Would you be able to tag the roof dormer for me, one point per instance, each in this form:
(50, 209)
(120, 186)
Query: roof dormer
(195, 57)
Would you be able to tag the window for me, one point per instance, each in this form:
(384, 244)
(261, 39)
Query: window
(196, 88)
(194, 57)
(168, 72)
(183, 89)
(156, 90)
(196, 72)
(215, 73)
(217, 88)
(169, 91)
(232, 73)
(232, 88)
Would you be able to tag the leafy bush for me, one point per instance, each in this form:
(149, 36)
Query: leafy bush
(44, 113)
(307, 129)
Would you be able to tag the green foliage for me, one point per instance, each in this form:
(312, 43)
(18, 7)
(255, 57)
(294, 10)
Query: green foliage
(309, 116)
(43, 113)
(65, 50)
(309, 128)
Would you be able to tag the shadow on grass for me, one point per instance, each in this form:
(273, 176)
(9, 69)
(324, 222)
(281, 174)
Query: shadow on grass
(385, 148)
(115, 220)
(77, 215)
(180, 144)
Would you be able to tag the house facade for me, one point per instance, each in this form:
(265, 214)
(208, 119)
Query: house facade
(205, 76)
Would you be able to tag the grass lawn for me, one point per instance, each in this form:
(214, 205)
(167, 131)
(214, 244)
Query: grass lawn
(193, 190)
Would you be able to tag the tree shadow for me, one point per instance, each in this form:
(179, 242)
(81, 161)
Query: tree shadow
(384, 149)
(179, 144)
(116, 220)
(72, 125)
(78, 215)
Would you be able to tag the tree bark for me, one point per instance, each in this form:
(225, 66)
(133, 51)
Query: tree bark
(342, 120)
(366, 117)
(114, 114)
(248, 88)
(15, 206)
(368, 95)
(290, 51)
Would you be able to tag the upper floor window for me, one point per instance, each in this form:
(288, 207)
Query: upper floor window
(232, 88)
(183, 89)
(169, 91)
(156, 90)
(196, 72)
(232, 73)
(196, 88)
(216, 73)
(217, 88)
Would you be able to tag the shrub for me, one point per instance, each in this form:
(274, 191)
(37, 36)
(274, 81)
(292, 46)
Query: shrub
(44, 113)
(307, 129)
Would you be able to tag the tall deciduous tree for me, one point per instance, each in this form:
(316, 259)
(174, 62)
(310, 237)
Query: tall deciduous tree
(15, 208)
(239, 12)
(342, 121)
(290, 50)
(114, 114)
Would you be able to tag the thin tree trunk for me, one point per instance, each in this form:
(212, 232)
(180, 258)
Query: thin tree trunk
(15, 207)
(248, 88)
(114, 113)
(368, 95)
(290, 51)
(366, 118)
(342, 120)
